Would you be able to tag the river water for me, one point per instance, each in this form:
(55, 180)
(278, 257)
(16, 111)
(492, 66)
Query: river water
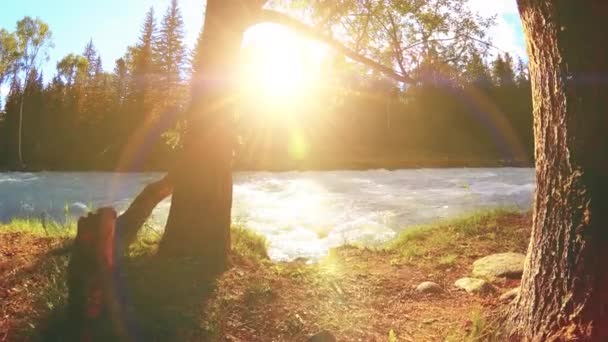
(302, 214)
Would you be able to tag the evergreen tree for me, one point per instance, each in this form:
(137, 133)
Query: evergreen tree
(32, 115)
(120, 82)
(144, 70)
(502, 70)
(171, 52)
(90, 54)
(522, 77)
(196, 55)
(476, 71)
(13, 99)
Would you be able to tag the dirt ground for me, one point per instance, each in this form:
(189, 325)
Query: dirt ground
(357, 294)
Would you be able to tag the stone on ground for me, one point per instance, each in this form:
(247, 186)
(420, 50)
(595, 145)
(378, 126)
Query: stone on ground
(501, 265)
(474, 285)
(429, 287)
(509, 295)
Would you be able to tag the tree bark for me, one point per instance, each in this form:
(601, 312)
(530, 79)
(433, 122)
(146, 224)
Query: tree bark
(564, 289)
(199, 219)
(90, 276)
(130, 222)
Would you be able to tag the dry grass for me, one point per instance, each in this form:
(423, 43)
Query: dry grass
(358, 294)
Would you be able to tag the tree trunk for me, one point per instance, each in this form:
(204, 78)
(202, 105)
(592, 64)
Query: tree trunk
(90, 277)
(199, 219)
(564, 290)
(20, 131)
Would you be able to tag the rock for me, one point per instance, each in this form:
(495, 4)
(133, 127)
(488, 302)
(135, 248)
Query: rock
(323, 336)
(428, 287)
(474, 285)
(509, 295)
(509, 265)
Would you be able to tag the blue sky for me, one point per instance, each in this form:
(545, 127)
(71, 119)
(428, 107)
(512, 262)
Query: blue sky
(112, 24)
(115, 24)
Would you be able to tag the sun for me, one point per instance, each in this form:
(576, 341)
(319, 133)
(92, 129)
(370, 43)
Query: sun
(278, 67)
(275, 75)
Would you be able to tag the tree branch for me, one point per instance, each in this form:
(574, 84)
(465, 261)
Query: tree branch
(266, 15)
(396, 43)
(131, 221)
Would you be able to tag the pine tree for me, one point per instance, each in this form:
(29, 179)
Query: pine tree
(11, 107)
(90, 53)
(144, 71)
(196, 56)
(476, 71)
(521, 78)
(120, 82)
(502, 70)
(32, 115)
(171, 52)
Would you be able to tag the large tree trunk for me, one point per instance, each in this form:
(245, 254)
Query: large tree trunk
(199, 219)
(564, 290)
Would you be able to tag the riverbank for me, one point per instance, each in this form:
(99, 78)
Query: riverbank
(355, 293)
(336, 162)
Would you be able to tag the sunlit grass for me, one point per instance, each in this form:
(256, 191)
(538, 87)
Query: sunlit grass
(40, 227)
(440, 242)
(249, 244)
(168, 294)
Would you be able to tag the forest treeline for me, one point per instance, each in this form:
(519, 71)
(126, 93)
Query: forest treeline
(88, 116)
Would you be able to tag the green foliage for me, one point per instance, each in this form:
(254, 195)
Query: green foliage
(405, 32)
(72, 68)
(9, 54)
(460, 112)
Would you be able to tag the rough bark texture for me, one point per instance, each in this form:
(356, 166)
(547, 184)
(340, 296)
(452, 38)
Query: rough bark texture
(564, 291)
(131, 221)
(199, 219)
(91, 297)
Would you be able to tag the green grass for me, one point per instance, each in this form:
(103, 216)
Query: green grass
(249, 244)
(245, 242)
(40, 227)
(442, 241)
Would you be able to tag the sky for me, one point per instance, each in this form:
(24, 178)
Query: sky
(115, 24)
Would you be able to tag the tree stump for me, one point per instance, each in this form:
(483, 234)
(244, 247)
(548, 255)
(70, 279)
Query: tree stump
(91, 271)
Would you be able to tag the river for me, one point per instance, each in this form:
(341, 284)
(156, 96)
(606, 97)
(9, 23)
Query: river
(302, 214)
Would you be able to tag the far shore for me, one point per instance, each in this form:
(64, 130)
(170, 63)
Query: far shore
(318, 165)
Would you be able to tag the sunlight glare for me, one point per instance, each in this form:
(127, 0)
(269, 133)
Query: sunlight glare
(278, 66)
(298, 147)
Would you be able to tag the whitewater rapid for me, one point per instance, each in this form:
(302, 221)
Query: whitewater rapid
(302, 214)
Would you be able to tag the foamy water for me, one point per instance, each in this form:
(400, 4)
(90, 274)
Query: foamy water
(302, 214)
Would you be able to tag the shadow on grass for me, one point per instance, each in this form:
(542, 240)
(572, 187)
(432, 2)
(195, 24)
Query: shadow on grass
(158, 300)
